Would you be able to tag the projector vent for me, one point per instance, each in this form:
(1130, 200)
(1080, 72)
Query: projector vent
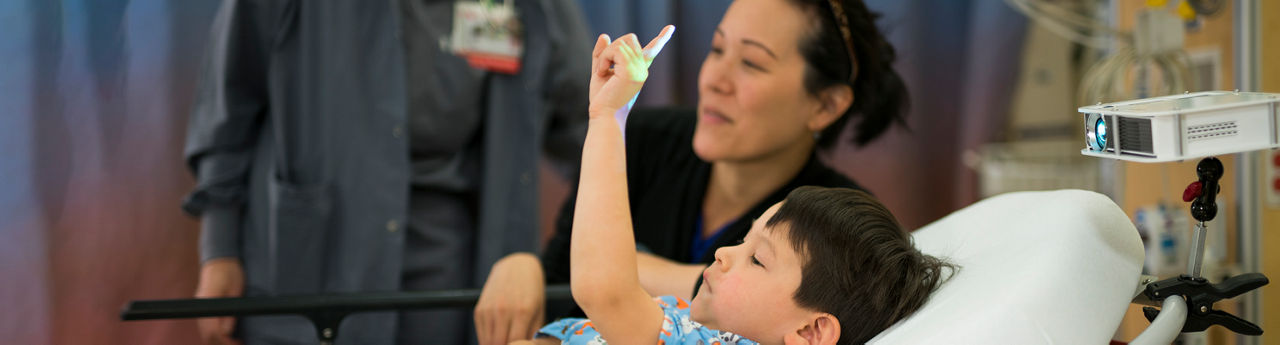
(1134, 135)
(1212, 131)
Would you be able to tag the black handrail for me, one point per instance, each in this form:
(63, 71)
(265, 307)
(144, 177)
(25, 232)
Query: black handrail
(325, 311)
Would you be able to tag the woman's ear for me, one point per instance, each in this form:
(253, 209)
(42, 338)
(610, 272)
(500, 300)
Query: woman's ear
(835, 101)
(823, 329)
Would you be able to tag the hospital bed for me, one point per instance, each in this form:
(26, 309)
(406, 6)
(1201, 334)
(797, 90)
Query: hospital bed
(1055, 267)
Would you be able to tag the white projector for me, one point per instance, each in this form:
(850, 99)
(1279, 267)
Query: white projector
(1180, 127)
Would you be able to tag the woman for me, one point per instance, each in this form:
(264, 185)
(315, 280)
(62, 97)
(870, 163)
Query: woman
(770, 96)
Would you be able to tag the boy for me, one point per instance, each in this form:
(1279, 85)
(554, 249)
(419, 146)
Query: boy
(826, 266)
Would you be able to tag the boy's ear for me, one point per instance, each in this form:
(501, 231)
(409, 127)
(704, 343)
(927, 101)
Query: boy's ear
(823, 329)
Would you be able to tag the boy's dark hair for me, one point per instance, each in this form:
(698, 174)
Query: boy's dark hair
(880, 97)
(858, 264)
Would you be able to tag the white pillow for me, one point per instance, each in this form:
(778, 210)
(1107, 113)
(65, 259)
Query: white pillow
(1057, 267)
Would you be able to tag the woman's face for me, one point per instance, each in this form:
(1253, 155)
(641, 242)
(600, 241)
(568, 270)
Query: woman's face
(752, 101)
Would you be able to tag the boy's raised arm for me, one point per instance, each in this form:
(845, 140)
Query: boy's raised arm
(603, 273)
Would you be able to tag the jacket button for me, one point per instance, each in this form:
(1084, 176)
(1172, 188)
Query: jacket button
(397, 131)
(392, 226)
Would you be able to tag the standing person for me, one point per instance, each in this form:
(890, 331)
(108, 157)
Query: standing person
(783, 80)
(338, 146)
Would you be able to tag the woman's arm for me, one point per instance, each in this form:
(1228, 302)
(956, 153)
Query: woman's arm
(604, 278)
(663, 277)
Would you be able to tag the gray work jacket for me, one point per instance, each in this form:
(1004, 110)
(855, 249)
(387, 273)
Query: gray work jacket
(299, 144)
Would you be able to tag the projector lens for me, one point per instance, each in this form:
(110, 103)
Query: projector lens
(1095, 132)
(1100, 133)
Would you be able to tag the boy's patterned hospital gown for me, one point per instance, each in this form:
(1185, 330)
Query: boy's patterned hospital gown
(677, 329)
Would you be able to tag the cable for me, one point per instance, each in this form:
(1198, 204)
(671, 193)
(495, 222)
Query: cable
(1105, 80)
(1070, 24)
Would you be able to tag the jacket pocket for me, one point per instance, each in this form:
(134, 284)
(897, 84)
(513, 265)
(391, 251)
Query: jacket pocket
(299, 231)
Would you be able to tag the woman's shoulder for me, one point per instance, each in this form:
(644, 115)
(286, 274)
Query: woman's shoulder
(661, 121)
(661, 133)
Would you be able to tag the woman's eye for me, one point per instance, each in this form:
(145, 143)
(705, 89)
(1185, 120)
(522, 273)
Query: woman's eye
(752, 65)
(716, 51)
(755, 261)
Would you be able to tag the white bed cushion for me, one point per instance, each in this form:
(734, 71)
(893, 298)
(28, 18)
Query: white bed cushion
(1057, 267)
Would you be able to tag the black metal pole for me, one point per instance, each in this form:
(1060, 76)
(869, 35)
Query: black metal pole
(311, 304)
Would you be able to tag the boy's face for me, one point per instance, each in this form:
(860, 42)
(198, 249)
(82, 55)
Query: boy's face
(749, 289)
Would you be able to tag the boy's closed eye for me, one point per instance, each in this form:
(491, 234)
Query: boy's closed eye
(756, 261)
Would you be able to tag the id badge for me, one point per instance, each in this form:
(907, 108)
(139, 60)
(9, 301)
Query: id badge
(487, 35)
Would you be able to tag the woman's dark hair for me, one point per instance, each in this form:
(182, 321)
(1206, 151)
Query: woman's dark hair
(858, 264)
(880, 96)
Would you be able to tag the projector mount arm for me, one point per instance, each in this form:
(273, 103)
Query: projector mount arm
(1198, 292)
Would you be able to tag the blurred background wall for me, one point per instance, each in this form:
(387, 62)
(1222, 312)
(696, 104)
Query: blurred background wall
(94, 99)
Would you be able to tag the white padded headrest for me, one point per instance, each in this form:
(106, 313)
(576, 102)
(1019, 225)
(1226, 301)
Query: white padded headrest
(1056, 267)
